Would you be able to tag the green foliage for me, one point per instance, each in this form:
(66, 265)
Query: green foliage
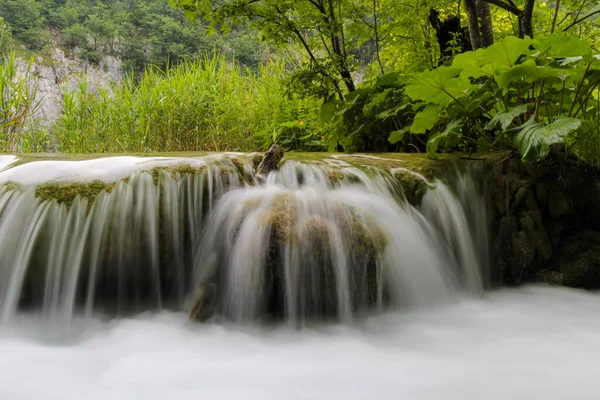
(517, 92)
(18, 105)
(363, 120)
(141, 33)
(207, 105)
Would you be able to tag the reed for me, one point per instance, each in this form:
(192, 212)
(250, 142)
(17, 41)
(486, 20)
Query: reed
(194, 106)
(19, 130)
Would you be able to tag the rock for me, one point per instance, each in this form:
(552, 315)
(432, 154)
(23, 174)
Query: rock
(559, 204)
(271, 161)
(550, 277)
(578, 259)
(204, 304)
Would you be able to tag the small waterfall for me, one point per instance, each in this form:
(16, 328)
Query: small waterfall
(311, 242)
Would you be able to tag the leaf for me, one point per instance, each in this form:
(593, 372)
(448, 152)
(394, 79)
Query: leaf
(448, 138)
(387, 79)
(396, 136)
(506, 52)
(385, 114)
(563, 45)
(528, 71)
(505, 118)
(533, 139)
(425, 119)
(431, 85)
(380, 98)
(328, 112)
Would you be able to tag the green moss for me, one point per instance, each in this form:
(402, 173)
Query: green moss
(239, 164)
(10, 186)
(282, 217)
(335, 176)
(65, 193)
(257, 159)
(363, 237)
(176, 170)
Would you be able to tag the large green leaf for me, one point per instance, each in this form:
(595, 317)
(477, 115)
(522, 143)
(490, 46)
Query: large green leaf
(504, 118)
(425, 119)
(396, 136)
(505, 52)
(563, 45)
(434, 86)
(533, 139)
(328, 111)
(448, 138)
(528, 72)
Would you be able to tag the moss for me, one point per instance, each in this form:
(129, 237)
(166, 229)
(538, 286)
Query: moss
(362, 236)
(413, 187)
(335, 176)
(315, 229)
(10, 186)
(282, 217)
(175, 170)
(239, 165)
(257, 158)
(65, 193)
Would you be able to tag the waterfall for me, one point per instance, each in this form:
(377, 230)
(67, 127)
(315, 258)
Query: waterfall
(311, 242)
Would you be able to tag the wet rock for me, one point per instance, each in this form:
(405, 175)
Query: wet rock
(271, 161)
(559, 204)
(204, 304)
(550, 277)
(578, 259)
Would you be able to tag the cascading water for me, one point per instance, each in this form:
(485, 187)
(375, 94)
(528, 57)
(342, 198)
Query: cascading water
(145, 241)
(311, 242)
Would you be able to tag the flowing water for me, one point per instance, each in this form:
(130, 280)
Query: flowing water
(324, 282)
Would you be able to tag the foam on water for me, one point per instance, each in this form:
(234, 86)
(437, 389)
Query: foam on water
(530, 343)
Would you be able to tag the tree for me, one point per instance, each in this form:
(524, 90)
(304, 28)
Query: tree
(317, 27)
(524, 15)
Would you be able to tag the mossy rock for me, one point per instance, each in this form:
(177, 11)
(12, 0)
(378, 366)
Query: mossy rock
(282, 216)
(65, 193)
(578, 260)
(335, 176)
(176, 170)
(550, 277)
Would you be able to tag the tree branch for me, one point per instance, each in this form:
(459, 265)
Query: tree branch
(581, 20)
(510, 6)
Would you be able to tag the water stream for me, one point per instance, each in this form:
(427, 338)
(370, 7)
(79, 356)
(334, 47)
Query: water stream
(325, 282)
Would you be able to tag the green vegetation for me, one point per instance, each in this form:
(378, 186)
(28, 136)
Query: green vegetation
(352, 75)
(18, 105)
(65, 193)
(141, 33)
(206, 105)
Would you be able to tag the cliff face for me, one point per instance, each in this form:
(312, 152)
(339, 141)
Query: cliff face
(59, 72)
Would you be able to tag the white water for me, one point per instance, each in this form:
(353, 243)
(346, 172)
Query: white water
(459, 343)
(530, 343)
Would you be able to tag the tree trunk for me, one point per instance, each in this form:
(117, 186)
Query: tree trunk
(473, 21)
(485, 23)
(447, 30)
(526, 20)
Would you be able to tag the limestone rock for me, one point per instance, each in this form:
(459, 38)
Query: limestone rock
(271, 160)
(204, 304)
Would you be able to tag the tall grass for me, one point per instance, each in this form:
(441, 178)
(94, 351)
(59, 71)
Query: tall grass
(205, 105)
(19, 129)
